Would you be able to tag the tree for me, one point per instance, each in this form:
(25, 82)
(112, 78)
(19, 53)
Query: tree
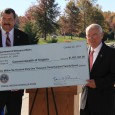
(71, 19)
(96, 16)
(27, 24)
(91, 13)
(63, 22)
(109, 18)
(31, 29)
(46, 13)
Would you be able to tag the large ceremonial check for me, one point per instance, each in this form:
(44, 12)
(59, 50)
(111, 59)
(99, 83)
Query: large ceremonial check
(38, 66)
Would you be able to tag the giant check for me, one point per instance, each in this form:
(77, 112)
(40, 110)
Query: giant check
(38, 66)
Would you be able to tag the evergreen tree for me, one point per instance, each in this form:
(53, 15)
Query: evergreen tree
(46, 14)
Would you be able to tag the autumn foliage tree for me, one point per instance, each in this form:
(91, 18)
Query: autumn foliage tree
(63, 22)
(70, 21)
(27, 24)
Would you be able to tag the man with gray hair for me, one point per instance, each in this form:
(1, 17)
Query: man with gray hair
(98, 96)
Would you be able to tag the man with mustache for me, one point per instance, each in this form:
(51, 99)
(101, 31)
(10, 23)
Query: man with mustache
(12, 99)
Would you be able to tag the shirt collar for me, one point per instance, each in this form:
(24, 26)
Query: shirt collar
(10, 33)
(97, 49)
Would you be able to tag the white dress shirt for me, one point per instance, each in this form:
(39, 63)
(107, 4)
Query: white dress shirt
(4, 36)
(96, 51)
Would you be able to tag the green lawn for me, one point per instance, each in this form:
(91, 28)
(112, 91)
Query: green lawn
(66, 39)
(60, 39)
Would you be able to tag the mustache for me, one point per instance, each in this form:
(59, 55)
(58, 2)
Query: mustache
(7, 24)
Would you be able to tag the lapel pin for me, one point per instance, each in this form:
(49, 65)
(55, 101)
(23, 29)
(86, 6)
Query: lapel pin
(18, 36)
(101, 55)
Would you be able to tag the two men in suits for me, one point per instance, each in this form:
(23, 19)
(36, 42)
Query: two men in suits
(100, 87)
(11, 99)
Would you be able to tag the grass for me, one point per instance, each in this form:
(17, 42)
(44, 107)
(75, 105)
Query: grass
(110, 41)
(60, 39)
(67, 39)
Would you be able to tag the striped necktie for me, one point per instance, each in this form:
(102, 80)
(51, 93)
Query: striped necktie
(8, 42)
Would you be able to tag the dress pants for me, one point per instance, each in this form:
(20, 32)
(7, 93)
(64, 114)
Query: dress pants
(12, 100)
(87, 111)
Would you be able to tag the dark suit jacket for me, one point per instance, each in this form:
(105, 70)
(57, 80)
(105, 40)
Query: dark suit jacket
(20, 38)
(101, 99)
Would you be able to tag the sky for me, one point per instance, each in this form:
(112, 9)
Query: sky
(21, 6)
(107, 5)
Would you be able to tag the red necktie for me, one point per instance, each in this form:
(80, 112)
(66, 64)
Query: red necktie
(91, 59)
(8, 42)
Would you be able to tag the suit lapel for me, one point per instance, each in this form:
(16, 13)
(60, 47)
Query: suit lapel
(99, 57)
(89, 49)
(16, 37)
